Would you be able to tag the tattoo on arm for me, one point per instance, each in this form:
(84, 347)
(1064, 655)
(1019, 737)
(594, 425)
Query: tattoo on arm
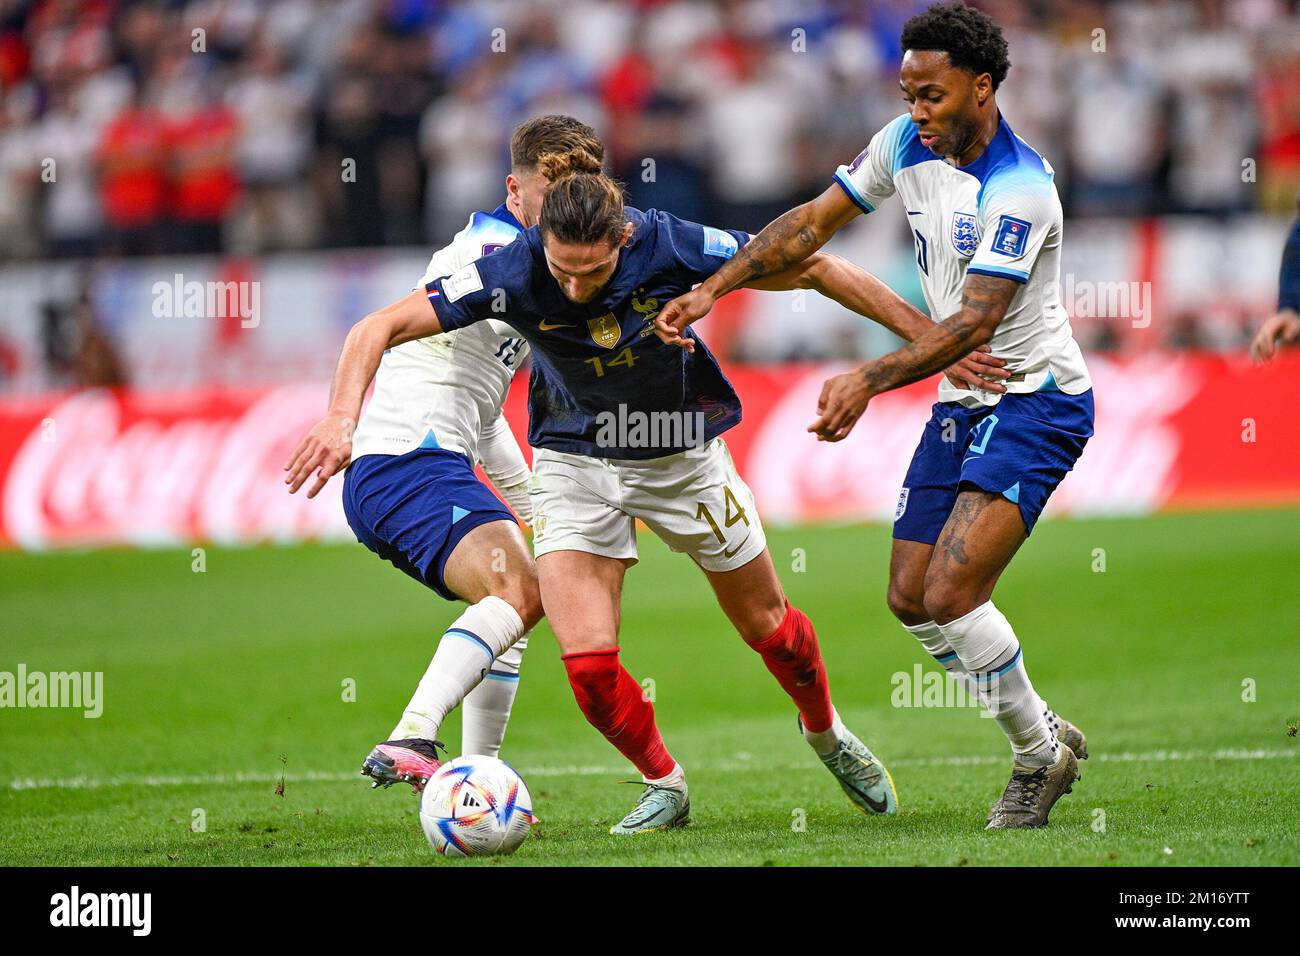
(785, 241)
(984, 301)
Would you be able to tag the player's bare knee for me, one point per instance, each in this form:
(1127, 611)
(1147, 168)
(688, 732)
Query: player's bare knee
(945, 601)
(521, 592)
(760, 621)
(907, 606)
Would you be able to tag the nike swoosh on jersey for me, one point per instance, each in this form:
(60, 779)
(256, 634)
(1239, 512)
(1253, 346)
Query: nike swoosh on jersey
(919, 212)
(547, 326)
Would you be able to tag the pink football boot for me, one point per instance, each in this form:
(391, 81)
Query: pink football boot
(412, 760)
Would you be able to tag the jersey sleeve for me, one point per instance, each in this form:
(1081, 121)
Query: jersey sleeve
(504, 464)
(869, 179)
(443, 263)
(700, 251)
(482, 289)
(1017, 218)
(446, 260)
(502, 459)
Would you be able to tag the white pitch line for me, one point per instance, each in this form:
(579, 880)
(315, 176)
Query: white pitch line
(733, 766)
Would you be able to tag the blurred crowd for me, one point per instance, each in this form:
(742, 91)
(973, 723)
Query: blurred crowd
(242, 126)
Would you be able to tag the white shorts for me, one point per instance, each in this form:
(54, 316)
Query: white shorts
(694, 501)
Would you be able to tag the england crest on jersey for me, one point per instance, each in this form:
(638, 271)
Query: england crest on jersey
(965, 234)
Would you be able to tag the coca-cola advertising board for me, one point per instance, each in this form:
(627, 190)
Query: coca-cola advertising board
(167, 468)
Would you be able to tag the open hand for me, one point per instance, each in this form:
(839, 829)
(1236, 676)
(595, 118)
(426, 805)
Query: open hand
(980, 370)
(326, 449)
(1280, 329)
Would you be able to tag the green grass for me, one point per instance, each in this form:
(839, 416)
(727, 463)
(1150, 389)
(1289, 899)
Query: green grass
(239, 671)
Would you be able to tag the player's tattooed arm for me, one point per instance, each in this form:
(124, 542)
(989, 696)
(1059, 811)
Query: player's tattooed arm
(786, 241)
(844, 398)
(328, 446)
(861, 292)
(984, 301)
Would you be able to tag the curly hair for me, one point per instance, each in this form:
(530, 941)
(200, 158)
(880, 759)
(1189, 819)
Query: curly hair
(970, 37)
(555, 134)
(555, 166)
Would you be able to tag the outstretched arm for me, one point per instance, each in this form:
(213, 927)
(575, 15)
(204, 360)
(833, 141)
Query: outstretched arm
(861, 292)
(784, 242)
(328, 446)
(844, 398)
(852, 287)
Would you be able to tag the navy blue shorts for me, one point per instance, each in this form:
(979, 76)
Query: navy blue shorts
(1020, 448)
(413, 509)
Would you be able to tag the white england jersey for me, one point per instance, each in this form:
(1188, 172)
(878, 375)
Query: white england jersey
(446, 391)
(999, 216)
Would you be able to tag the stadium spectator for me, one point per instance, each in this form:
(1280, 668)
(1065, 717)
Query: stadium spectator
(1156, 113)
(205, 184)
(355, 123)
(274, 107)
(78, 352)
(133, 179)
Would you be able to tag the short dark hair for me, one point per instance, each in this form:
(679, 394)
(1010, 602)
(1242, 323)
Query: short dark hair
(553, 133)
(970, 37)
(582, 208)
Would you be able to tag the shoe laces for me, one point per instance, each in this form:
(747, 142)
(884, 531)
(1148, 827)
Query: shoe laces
(1026, 787)
(846, 760)
(650, 790)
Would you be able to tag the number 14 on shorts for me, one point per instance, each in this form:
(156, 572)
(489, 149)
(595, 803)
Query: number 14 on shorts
(735, 513)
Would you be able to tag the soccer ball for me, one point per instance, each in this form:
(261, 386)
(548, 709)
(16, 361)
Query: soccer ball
(476, 806)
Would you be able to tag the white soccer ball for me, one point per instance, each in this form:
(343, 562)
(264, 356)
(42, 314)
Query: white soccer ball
(476, 806)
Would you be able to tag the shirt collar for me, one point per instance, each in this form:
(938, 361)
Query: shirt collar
(503, 213)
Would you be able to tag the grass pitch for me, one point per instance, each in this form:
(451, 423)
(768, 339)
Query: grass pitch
(224, 703)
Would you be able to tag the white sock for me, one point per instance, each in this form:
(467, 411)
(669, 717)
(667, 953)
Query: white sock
(464, 655)
(486, 710)
(674, 780)
(937, 646)
(986, 644)
(826, 741)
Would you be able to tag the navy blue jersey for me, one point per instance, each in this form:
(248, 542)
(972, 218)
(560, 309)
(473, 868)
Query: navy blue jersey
(603, 356)
(1289, 279)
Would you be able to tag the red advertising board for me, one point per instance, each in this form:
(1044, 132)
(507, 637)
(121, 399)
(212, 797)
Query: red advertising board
(152, 468)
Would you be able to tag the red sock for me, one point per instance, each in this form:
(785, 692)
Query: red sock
(792, 655)
(614, 704)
